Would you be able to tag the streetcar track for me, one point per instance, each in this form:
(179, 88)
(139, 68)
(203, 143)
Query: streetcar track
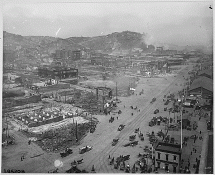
(134, 123)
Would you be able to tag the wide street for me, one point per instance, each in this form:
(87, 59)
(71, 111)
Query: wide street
(105, 132)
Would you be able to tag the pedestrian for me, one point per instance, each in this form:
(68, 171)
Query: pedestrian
(191, 153)
(109, 157)
(200, 132)
(117, 118)
(195, 150)
(21, 158)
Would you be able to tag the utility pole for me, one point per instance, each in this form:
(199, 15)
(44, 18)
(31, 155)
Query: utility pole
(181, 125)
(65, 96)
(7, 125)
(116, 91)
(76, 132)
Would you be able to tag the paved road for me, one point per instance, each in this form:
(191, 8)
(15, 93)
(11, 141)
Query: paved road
(105, 132)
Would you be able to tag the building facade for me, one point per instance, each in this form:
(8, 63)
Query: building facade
(167, 157)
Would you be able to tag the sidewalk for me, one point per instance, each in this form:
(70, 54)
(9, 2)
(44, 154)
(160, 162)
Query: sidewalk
(195, 150)
(204, 152)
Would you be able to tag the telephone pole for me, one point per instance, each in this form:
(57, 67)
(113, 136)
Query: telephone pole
(116, 91)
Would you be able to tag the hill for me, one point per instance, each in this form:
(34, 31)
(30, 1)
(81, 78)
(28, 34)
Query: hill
(31, 47)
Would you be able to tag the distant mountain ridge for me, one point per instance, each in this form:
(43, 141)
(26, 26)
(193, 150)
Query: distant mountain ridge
(116, 41)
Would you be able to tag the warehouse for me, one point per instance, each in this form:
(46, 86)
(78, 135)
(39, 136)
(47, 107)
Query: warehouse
(206, 73)
(202, 87)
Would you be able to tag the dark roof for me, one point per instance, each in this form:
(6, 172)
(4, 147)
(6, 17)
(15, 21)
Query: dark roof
(203, 82)
(207, 72)
(168, 147)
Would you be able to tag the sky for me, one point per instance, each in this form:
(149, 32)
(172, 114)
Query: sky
(179, 23)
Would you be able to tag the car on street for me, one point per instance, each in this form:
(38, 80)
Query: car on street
(193, 137)
(121, 127)
(134, 143)
(85, 149)
(156, 111)
(167, 102)
(115, 141)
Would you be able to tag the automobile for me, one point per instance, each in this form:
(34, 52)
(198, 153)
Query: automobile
(151, 123)
(92, 129)
(134, 143)
(198, 108)
(167, 102)
(141, 137)
(193, 137)
(172, 140)
(153, 100)
(115, 141)
(132, 137)
(121, 127)
(66, 153)
(189, 128)
(156, 111)
(136, 130)
(173, 128)
(85, 149)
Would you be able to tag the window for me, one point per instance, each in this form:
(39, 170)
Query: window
(166, 167)
(174, 169)
(167, 157)
(158, 164)
(159, 155)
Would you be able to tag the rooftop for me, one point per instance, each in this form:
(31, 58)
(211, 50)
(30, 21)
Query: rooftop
(203, 82)
(206, 71)
(168, 147)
